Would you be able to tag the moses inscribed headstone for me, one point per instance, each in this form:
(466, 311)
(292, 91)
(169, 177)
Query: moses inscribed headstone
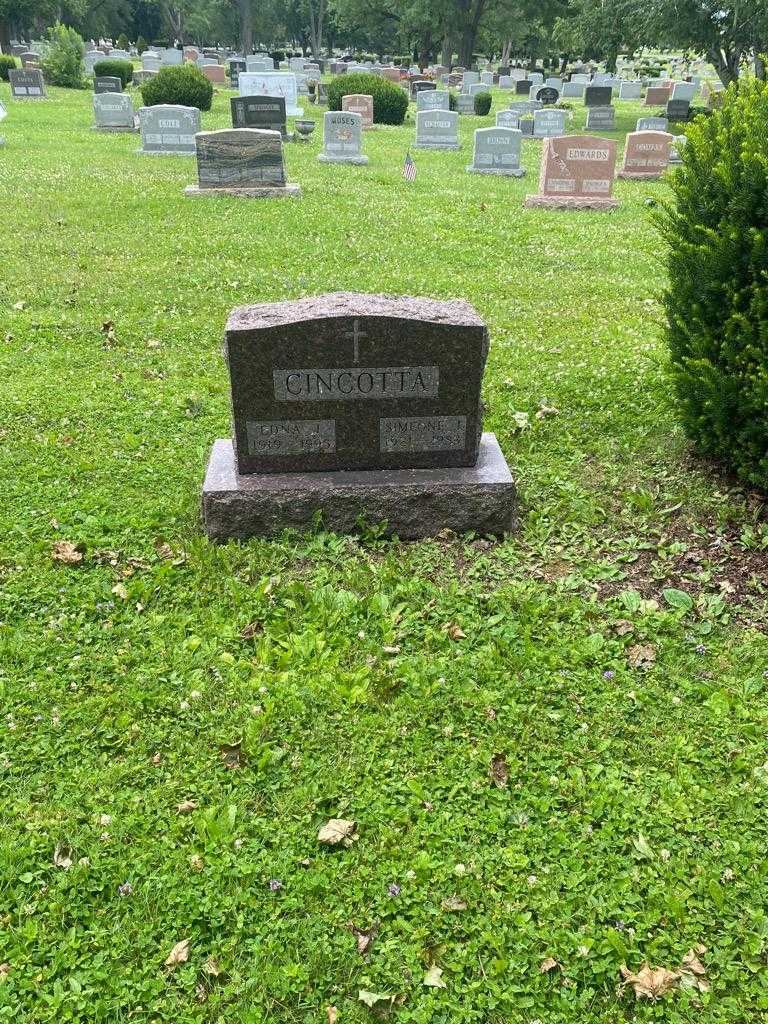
(342, 138)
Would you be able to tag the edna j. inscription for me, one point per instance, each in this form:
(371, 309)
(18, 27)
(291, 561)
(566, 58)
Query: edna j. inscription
(353, 383)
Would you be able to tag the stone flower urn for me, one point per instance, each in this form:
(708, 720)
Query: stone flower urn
(304, 128)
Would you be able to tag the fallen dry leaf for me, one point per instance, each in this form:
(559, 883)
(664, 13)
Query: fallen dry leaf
(231, 754)
(547, 410)
(252, 630)
(120, 591)
(20, 305)
(333, 1014)
(337, 830)
(67, 552)
(453, 904)
(196, 862)
(434, 978)
(211, 966)
(641, 656)
(363, 937)
(498, 771)
(187, 806)
(548, 965)
(693, 973)
(372, 998)
(5, 970)
(391, 650)
(454, 631)
(62, 856)
(179, 954)
(650, 982)
(622, 627)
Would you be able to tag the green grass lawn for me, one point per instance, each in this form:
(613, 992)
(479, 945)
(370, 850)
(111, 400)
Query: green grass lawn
(611, 656)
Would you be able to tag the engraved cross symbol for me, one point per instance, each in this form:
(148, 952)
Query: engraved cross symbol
(356, 334)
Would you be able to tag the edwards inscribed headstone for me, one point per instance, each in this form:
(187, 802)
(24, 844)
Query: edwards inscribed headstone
(342, 138)
(168, 130)
(242, 162)
(26, 85)
(576, 173)
(646, 155)
(497, 151)
(266, 112)
(356, 406)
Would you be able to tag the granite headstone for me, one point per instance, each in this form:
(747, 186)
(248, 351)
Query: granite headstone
(437, 129)
(342, 138)
(577, 172)
(266, 112)
(168, 130)
(241, 161)
(497, 151)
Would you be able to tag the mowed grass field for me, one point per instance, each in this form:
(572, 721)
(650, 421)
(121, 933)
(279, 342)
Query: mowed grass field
(554, 746)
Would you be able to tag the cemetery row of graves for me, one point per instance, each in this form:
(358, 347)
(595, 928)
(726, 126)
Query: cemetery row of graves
(260, 760)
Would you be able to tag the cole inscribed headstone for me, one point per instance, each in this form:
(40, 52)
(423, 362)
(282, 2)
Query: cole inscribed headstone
(577, 172)
(26, 85)
(342, 138)
(168, 130)
(113, 112)
(357, 407)
(497, 151)
(259, 112)
(359, 103)
(646, 155)
(437, 129)
(272, 83)
(241, 162)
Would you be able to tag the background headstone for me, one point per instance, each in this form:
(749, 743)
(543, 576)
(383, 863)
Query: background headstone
(678, 110)
(652, 124)
(26, 85)
(437, 129)
(246, 161)
(646, 155)
(507, 119)
(433, 100)
(342, 138)
(107, 83)
(359, 103)
(266, 112)
(168, 130)
(630, 91)
(602, 119)
(577, 172)
(573, 90)
(548, 123)
(114, 111)
(598, 96)
(272, 83)
(497, 151)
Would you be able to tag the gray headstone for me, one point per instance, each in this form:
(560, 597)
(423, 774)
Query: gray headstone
(91, 58)
(598, 96)
(507, 119)
(470, 78)
(678, 110)
(113, 110)
(505, 81)
(631, 91)
(573, 90)
(465, 104)
(107, 83)
(435, 99)
(652, 124)
(683, 91)
(26, 85)
(497, 151)
(240, 158)
(437, 129)
(601, 119)
(151, 61)
(548, 123)
(168, 129)
(267, 112)
(342, 138)
(172, 56)
(272, 83)
(523, 87)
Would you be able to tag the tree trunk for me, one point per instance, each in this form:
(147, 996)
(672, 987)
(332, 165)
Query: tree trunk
(316, 18)
(759, 67)
(246, 26)
(564, 63)
(506, 50)
(610, 61)
(726, 65)
(446, 57)
(5, 35)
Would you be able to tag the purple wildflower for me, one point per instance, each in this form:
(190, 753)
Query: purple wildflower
(701, 649)
(275, 884)
(394, 889)
(608, 674)
(125, 889)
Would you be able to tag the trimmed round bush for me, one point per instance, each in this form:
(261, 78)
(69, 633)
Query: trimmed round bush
(122, 69)
(482, 103)
(7, 63)
(716, 302)
(184, 85)
(390, 103)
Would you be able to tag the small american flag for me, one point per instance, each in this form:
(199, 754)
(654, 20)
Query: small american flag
(409, 167)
